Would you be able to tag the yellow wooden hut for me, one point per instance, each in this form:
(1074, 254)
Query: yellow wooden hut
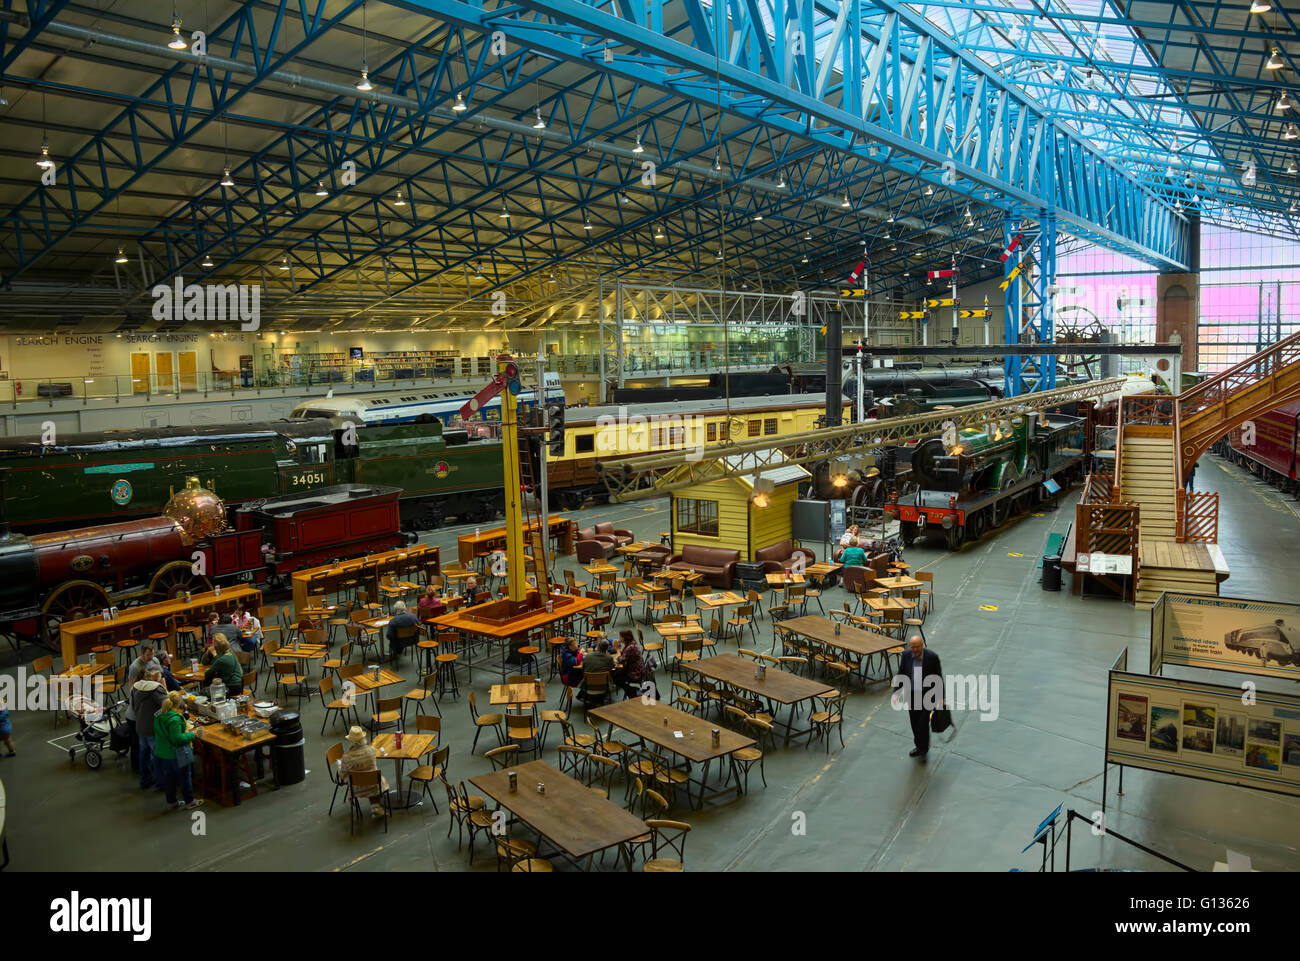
(724, 512)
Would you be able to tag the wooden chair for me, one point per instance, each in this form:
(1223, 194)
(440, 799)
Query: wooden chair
(830, 716)
(388, 711)
(481, 721)
(744, 617)
(595, 686)
(796, 599)
(286, 676)
(366, 780)
(425, 774)
(518, 853)
(668, 837)
(571, 759)
(248, 682)
(503, 757)
(115, 683)
(340, 707)
(460, 806)
(600, 774)
(333, 664)
(745, 758)
(521, 727)
(332, 757)
(419, 696)
(927, 592)
(269, 615)
(688, 649)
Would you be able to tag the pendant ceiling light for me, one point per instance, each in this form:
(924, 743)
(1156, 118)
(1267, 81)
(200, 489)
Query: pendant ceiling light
(121, 255)
(226, 179)
(176, 41)
(459, 106)
(1274, 61)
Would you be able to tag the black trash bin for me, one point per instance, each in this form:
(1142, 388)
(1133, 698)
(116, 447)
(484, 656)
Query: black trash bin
(288, 753)
(1051, 572)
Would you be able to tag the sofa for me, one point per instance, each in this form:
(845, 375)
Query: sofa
(781, 556)
(717, 564)
(877, 557)
(588, 536)
(621, 537)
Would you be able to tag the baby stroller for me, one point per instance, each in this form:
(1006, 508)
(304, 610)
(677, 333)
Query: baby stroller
(108, 728)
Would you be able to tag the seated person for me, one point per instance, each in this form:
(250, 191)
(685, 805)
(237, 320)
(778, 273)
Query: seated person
(244, 622)
(431, 604)
(596, 662)
(854, 555)
(165, 661)
(850, 536)
(629, 667)
(571, 663)
(401, 618)
(224, 626)
(227, 667)
(361, 756)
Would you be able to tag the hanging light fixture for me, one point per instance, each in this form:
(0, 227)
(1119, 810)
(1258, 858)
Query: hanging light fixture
(121, 257)
(459, 106)
(623, 198)
(758, 217)
(717, 163)
(1291, 167)
(540, 124)
(226, 179)
(808, 235)
(1292, 132)
(284, 264)
(586, 225)
(207, 261)
(44, 161)
(846, 202)
(638, 148)
(659, 232)
(176, 41)
(804, 260)
(1283, 103)
(398, 201)
(478, 271)
(929, 191)
(1274, 61)
(780, 181)
(505, 214)
(1260, 6)
(364, 85)
(320, 189)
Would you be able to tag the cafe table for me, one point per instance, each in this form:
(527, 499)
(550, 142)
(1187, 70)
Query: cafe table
(864, 645)
(576, 820)
(604, 567)
(414, 747)
(898, 583)
(778, 687)
(782, 578)
(301, 653)
(822, 570)
(366, 682)
(670, 728)
(887, 603)
(635, 547)
(718, 600)
(520, 694)
(224, 767)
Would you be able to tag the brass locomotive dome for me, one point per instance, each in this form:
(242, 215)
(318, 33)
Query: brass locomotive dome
(198, 511)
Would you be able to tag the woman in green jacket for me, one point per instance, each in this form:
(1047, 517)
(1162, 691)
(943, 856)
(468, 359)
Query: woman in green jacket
(226, 667)
(173, 753)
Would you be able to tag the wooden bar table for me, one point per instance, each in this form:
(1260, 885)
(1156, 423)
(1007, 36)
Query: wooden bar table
(224, 758)
(504, 623)
(78, 637)
(577, 820)
(853, 640)
(670, 728)
(372, 565)
(777, 686)
(470, 547)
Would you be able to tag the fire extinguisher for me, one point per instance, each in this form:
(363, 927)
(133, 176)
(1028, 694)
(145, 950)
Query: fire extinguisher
(18, 387)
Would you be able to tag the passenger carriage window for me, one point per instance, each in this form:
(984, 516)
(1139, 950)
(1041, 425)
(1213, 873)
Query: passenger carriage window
(711, 433)
(584, 443)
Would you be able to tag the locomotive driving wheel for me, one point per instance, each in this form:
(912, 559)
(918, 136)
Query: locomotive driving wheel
(70, 601)
(174, 579)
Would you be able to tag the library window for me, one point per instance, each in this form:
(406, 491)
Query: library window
(697, 517)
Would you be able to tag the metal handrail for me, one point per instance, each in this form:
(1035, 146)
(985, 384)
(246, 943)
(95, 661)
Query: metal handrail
(1246, 373)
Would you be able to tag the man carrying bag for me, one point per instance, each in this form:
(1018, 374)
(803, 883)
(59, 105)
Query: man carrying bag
(919, 683)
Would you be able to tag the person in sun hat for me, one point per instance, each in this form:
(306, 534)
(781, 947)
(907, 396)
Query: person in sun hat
(361, 756)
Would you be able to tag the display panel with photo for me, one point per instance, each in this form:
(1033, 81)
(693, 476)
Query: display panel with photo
(1265, 732)
(1291, 750)
(1263, 756)
(1230, 734)
(1164, 729)
(1198, 739)
(1198, 715)
(1131, 718)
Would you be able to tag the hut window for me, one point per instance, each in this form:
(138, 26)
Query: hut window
(769, 425)
(711, 433)
(584, 443)
(697, 517)
(754, 428)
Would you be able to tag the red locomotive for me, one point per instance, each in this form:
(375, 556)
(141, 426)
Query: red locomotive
(51, 578)
(1273, 453)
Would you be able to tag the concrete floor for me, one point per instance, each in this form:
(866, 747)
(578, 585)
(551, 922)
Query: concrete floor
(868, 806)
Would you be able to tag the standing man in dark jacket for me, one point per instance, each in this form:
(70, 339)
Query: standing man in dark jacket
(920, 683)
(146, 698)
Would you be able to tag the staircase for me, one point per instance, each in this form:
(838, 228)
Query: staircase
(1149, 478)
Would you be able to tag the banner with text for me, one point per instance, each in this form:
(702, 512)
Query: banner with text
(1228, 634)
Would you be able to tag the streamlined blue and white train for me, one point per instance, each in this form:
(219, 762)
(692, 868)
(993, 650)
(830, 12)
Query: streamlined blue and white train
(404, 406)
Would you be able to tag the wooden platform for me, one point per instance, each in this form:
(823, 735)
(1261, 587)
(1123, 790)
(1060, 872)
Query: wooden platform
(1165, 565)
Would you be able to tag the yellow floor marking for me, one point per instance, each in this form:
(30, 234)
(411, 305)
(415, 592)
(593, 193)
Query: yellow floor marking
(1014, 554)
(358, 860)
(988, 607)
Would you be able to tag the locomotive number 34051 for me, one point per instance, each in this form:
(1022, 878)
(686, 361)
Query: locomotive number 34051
(307, 479)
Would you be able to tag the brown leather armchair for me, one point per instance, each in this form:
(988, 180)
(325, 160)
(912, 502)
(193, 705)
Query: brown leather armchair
(592, 550)
(588, 535)
(717, 564)
(781, 556)
(877, 557)
(620, 535)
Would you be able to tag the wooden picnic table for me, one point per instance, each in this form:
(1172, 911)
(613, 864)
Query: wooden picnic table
(577, 820)
(670, 728)
(414, 747)
(777, 686)
(858, 641)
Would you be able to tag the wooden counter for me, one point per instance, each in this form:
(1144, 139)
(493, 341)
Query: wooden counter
(78, 637)
(329, 575)
(469, 547)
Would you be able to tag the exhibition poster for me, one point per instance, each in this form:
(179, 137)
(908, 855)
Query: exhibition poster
(1228, 634)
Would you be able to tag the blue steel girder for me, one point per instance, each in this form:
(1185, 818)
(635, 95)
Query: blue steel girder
(85, 176)
(38, 13)
(871, 84)
(1029, 273)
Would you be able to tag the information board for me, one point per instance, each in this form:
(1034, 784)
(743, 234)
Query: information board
(1228, 634)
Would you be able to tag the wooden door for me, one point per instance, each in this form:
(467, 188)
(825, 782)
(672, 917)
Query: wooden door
(163, 364)
(187, 365)
(140, 373)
